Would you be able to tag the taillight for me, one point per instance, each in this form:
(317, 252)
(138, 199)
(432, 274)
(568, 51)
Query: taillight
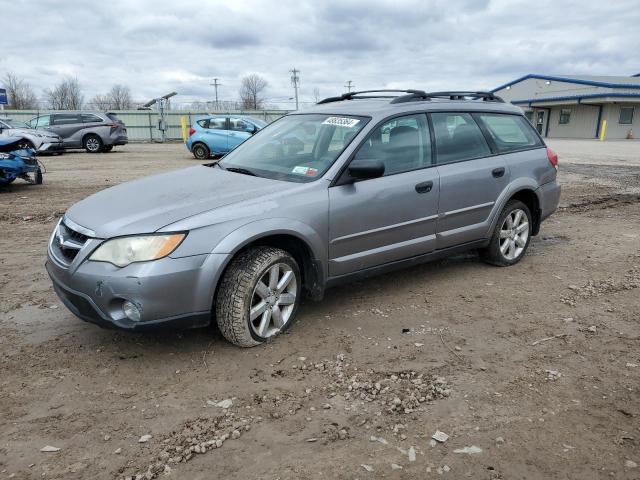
(191, 131)
(553, 158)
(113, 125)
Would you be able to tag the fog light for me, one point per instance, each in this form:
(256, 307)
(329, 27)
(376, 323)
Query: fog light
(131, 311)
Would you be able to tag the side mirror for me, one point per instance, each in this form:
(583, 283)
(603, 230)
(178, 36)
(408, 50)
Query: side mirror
(365, 169)
(253, 130)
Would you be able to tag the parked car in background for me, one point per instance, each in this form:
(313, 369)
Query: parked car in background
(218, 135)
(354, 186)
(41, 141)
(93, 131)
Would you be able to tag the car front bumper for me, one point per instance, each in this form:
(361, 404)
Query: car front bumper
(51, 147)
(170, 292)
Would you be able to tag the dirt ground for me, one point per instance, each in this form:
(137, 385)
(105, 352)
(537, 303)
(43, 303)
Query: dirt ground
(537, 366)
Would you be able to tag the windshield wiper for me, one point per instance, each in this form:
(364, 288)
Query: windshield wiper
(243, 171)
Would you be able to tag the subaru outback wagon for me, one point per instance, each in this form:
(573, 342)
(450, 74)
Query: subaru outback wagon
(358, 185)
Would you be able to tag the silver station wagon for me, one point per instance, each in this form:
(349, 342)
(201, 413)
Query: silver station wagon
(357, 185)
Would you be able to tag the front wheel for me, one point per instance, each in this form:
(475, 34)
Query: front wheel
(258, 296)
(511, 236)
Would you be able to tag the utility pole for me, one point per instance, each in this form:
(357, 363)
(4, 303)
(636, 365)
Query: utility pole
(295, 80)
(215, 85)
(349, 85)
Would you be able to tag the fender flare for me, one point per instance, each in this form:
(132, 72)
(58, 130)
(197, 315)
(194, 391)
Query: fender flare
(518, 185)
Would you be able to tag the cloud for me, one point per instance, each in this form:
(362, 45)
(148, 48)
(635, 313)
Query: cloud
(158, 46)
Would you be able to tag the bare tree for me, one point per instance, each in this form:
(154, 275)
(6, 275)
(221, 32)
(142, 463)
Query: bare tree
(120, 97)
(316, 94)
(67, 95)
(20, 94)
(251, 88)
(100, 102)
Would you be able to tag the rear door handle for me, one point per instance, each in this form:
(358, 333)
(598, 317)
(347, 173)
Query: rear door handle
(424, 187)
(497, 172)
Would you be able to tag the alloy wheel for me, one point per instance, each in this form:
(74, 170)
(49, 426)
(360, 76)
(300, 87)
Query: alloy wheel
(514, 234)
(273, 300)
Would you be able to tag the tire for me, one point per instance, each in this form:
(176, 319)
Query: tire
(92, 143)
(507, 246)
(107, 149)
(240, 294)
(201, 151)
(39, 178)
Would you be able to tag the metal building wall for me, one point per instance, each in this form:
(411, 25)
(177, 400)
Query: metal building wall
(616, 130)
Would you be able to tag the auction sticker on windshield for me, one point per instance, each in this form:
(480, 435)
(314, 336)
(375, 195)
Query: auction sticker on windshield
(306, 171)
(341, 122)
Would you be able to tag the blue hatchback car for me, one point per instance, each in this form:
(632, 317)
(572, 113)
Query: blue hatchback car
(218, 135)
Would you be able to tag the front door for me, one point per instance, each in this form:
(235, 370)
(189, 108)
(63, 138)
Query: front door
(385, 219)
(471, 178)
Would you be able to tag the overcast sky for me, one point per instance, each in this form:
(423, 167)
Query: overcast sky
(158, 46)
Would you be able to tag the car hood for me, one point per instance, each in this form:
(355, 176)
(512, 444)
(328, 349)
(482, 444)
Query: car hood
(148, 204)
(35, 133)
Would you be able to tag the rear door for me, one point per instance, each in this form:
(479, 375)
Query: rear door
(67, 125)
(215, 135)
(385, 219)
(471, 178)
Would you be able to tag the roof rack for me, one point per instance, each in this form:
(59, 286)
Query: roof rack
(415, 96)
(464, 95)
(351, 95)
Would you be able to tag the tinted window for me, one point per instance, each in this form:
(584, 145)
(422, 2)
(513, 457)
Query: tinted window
(402, 144)
(626, 115)
(203, 123)
(90, 118)
(42, 121)
(509, 132)
(113, 117)
(458, 137)
(65, 118)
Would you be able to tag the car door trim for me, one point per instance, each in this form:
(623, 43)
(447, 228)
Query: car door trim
(383, 229)
(465, 209)
(383, 248)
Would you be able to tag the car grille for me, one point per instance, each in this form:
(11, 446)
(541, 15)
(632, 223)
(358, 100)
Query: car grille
(67, 242)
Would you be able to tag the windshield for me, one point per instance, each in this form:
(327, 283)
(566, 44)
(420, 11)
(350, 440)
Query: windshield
(296, 148)
(14, 123)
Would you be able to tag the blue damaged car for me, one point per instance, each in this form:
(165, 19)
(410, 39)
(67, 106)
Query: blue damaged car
(218, 135)
(18, 162)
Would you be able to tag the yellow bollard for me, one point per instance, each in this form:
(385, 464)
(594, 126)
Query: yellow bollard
(183, 122)
(603, 130)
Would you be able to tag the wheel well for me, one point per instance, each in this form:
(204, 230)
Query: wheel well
(312, 282)
(530, 199)
(90, 134)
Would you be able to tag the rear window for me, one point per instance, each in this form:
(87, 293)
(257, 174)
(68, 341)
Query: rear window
(509, 132)
(90, 118)
(65, 118)
(113, 117)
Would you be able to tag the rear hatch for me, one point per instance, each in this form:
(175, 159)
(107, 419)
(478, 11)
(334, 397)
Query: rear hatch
(121, 129)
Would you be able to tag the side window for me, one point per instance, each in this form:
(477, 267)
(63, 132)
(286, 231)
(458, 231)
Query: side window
(626, 116)
(42, 121)
(65, 118)
(240, 125)
(90, 118)
(402, 144)
(218, 123)
(458, 137)
(509, 132)
(204, 123)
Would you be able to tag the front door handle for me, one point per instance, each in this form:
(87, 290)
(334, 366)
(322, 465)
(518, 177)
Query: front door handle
(424, 187)
(497, 172)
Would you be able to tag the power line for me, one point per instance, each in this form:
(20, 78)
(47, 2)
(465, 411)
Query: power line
(295, 80)
(215, 85)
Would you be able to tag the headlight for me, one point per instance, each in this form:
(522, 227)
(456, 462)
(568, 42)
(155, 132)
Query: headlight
(123, 251)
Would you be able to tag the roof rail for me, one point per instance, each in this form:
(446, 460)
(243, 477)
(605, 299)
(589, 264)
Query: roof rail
(464, 95)
(352, 95)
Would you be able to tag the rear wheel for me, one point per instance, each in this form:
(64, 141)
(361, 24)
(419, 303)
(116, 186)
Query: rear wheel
(511, 236)
(258, 296)
(92, 143)
(200, 151)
